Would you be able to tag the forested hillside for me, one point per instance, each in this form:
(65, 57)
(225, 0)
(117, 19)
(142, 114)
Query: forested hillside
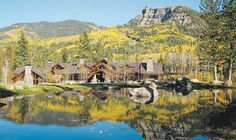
(45, 29)
(115, 43)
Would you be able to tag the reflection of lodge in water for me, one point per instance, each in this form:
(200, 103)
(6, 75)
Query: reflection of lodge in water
(101, 71)
(172, 116)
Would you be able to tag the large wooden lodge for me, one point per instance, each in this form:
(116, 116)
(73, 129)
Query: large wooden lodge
(101, 71)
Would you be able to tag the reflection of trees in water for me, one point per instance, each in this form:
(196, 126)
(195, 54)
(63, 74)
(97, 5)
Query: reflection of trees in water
(172, 116)
(18, 110)
(189, 124)
(23, 108)
(45, 117)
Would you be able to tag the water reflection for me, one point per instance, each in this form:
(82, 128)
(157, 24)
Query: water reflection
(170, 116)
(100, 130)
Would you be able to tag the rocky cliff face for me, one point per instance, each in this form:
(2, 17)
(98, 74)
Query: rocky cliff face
(187, 19)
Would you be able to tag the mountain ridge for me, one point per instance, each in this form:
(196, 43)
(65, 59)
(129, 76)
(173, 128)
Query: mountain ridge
(187, 20)
(45, 29)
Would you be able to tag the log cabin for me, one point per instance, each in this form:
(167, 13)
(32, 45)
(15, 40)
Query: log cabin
(20, 76)
(116, 72)
(66, 72)
(101, 71)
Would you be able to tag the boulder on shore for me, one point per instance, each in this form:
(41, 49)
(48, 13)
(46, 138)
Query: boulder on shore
(145, 91)
(183, 82)
(195, 81)
(145, 95)
(217, 82)
(140, 92)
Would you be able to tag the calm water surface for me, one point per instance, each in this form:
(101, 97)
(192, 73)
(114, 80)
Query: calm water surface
(105, 115)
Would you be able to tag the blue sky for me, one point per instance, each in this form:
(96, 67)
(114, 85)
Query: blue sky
(101, 12)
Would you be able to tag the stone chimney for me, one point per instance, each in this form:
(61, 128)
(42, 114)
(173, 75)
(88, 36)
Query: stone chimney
(150, 65)
(28, 79)
(81, 61)
(5, 72)
(4, 75)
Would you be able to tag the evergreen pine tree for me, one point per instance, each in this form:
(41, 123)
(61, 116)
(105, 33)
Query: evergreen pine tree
(85, 49)
(22, 57)
(209, 46)
(228, 35)
(64, 56)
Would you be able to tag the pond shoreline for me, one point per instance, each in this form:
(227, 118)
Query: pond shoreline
(59, 88)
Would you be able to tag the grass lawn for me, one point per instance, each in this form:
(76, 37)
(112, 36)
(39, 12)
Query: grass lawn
(42, 89)
(234, 84)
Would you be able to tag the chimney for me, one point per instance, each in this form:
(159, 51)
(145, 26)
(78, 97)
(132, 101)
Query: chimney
(81, 61)
(28, 79)
(150, 65)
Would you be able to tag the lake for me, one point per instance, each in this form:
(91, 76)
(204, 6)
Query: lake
(105, 115)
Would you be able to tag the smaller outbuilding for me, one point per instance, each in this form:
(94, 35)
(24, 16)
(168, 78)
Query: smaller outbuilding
(27, 76)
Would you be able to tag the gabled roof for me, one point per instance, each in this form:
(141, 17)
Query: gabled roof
(21, 71)
(70, 68)
(157, 69)
(34, 70)
(142, 67)
(67, 68)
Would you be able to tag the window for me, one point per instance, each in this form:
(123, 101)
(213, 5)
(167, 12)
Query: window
(71, 77)
(76, 77)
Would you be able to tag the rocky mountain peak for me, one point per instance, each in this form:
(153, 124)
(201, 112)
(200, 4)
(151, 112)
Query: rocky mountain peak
(180, 15)
(152, 15)
(158, 13)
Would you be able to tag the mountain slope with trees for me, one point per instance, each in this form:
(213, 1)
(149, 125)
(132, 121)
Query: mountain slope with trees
(49, 29)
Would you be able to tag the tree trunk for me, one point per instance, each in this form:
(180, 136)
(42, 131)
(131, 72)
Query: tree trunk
(124, 78)
(221, 73)
(230, 69)
(204, 74)
(5, 72)
(196, 72)
(215, 71)
(215, 97)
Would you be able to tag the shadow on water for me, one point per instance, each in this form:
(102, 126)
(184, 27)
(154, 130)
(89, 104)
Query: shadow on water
(183, 90)
(6, 93)
(2, 105)
(226, 118)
